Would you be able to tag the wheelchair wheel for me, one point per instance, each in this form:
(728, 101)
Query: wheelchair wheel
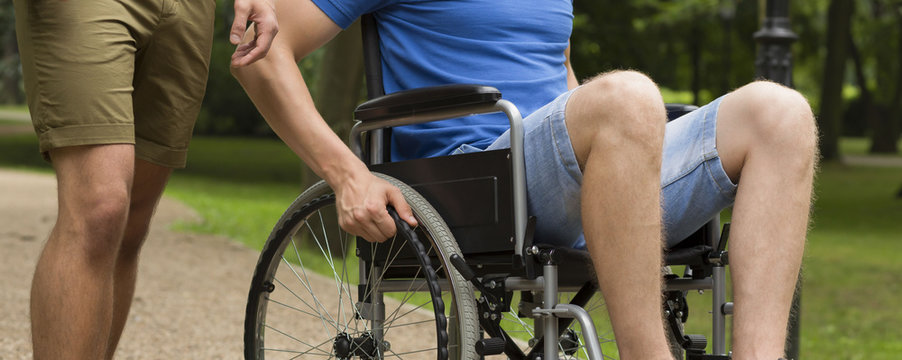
(307, 298)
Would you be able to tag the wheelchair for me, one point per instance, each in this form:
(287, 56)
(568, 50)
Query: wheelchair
(469, 281)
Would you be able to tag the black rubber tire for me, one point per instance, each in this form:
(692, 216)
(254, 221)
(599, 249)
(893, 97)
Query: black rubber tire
(295, 307)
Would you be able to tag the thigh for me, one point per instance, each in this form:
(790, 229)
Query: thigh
(553, 177)
(170, 79)
(694, 185)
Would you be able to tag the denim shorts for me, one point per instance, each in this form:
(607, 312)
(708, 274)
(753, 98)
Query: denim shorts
(694, 185)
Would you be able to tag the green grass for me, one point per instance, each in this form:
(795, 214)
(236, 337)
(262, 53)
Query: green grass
(18, 108)
(10, 122)
(860, 146)
(851, 305)
(240, 187)
(20, 151)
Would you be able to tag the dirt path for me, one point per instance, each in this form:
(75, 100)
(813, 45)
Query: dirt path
(191, 288)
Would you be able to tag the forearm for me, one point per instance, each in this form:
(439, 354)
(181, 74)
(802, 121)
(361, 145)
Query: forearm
(277, 88)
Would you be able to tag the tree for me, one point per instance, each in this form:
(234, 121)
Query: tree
(702, 46)
(886, 20)
(10, 73)
(839, 23)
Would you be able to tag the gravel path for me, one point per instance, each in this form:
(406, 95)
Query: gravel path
(191, 288)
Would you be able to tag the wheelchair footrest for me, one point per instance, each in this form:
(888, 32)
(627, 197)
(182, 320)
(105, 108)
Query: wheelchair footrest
(695, 342)
(490, 346)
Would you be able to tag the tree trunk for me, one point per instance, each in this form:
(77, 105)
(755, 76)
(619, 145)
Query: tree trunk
(9, 72)
(885, 127)
(869, 110)
(838, 29)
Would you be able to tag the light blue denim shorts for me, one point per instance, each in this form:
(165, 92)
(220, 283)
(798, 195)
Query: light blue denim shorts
(694, 185)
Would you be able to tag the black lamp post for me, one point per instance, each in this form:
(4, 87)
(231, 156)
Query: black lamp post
(774, 62)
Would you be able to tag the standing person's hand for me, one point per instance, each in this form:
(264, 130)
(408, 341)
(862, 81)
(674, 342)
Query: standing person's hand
(362, 208)
(262, 13)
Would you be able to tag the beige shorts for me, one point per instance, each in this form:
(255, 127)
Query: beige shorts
(116, 72)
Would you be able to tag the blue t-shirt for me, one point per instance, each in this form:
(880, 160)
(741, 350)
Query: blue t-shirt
(516, 46)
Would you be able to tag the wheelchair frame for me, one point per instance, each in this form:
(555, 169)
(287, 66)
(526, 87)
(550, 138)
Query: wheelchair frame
(420, 106)
(525, 267)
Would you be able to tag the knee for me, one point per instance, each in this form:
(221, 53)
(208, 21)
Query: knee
(622, 107)
(780, 117)
(100, 224)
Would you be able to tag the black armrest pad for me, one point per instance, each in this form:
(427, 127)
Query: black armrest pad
(424, 100)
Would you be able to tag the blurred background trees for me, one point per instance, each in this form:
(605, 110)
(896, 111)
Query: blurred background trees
(847, 61)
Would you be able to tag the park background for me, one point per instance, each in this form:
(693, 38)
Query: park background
(847, 62)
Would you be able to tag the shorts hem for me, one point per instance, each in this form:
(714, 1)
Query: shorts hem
(77, 135)
(160, 154)
(562, 142)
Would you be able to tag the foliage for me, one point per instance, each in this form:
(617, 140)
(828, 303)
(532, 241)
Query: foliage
(226, 108)
(704, 47)
(10, 82)
(21, 151)
(700, 46)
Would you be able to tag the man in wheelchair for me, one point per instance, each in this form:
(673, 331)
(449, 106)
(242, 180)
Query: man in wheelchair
(597, 176)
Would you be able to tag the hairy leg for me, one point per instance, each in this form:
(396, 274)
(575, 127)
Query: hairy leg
(616, 124)
(71, 296)
(767, 140)
(150, 180)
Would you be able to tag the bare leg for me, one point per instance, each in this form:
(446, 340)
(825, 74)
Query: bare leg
(768, 142)
(149, 181)
(616, 123)
(71, 296)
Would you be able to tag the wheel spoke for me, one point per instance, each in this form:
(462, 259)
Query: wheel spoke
(306, 283)
(317, 347)
(294, 267)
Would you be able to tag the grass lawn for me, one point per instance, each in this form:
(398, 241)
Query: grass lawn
(851, 306)
(17, 108)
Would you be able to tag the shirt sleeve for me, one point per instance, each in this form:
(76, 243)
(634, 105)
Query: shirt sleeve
(345, 12)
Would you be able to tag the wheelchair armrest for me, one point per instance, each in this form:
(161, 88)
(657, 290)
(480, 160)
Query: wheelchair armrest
(425, 100)
(676, 110)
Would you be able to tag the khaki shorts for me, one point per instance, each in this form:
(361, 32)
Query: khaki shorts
(116, 72)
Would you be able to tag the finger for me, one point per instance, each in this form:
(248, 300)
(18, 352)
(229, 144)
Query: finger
(400, 204)
(385, 224)
(366, 224)
(243, 49)
(239, 25)
(263, 39)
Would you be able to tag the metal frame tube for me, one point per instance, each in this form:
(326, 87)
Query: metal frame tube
(549, 301)
(718, 319)
(587, 325)
(518, 162)
(518, 166)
